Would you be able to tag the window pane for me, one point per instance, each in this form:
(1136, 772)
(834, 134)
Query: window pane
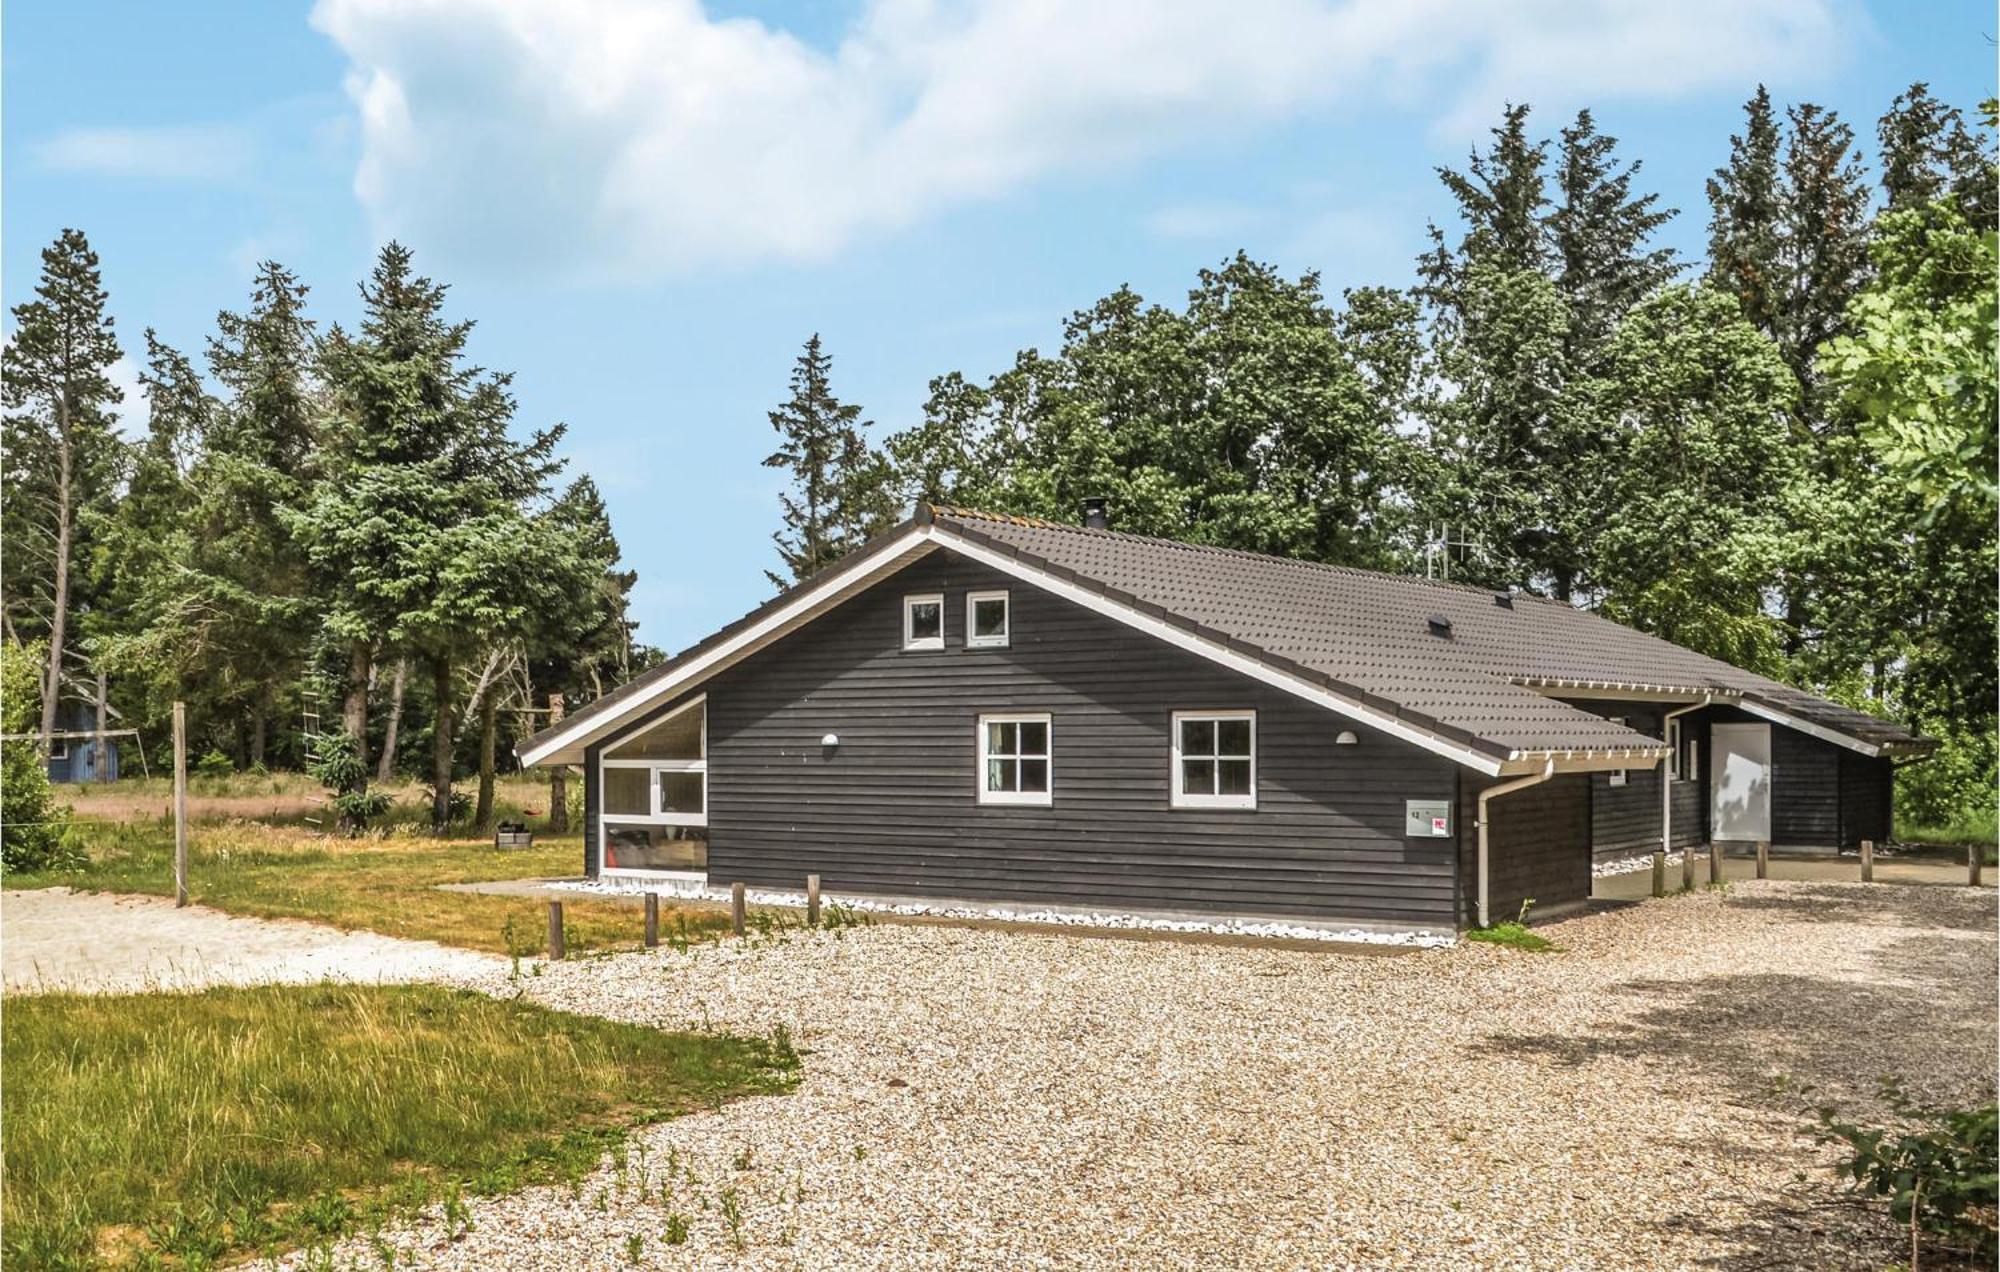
(676, 739)
(989, 618)
(1000, 775)
(1198, 737)
(1233, 777)
(655, 847)
(1198, 777)
(683, 792)
(1000, 738)
(1232, 737)
(628, 791)
(1034, 775)
(926, 621)
(1034, 738)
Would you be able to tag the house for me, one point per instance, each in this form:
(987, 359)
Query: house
(76, 756)
(1007, 710)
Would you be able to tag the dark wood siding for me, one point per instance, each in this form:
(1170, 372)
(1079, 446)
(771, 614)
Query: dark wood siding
(1538, 846)
(1866, 791)
(1805, 789)
(893, 811)
(1626, 819)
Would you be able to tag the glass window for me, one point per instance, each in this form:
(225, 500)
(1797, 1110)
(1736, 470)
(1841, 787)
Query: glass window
(627, 792)
(1015, 760)
(986, 619)
(1215, 759)
(655, 847)
(683, 792)
(654, 791)
(923, 621)
(679, 737)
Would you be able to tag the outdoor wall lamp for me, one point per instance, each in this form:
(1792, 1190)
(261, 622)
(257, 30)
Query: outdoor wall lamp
(1345, 738)
(829, 744)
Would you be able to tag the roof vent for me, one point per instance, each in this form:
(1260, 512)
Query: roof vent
(1096, 514)
(1440, 625)
(1505, 600)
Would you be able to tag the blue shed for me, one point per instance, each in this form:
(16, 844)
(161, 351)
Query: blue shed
(80, 759)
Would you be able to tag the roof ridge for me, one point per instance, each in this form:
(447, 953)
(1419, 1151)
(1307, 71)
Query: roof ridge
(1044, 523)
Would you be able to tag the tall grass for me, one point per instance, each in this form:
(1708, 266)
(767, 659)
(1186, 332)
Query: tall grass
(238, 1120)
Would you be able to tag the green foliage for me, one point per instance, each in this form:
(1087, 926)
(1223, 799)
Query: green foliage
(336, 764)
(839, 493)
(419, 1096)
(214, 764)
(1955, 786)
(1515, 934)
(33, 826)
(1937, 1168)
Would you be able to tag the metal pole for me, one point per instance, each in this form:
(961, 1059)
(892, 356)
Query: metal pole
(180, 805)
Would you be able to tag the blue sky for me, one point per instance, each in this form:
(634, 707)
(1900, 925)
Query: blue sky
(649, 204)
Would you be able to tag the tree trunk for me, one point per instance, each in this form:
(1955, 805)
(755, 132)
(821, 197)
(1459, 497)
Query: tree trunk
(59, 620)
(257, 733)
(100, 748)
(558, 778)
(386, 769)
(354, 711)
(441, 749)
(489, 737)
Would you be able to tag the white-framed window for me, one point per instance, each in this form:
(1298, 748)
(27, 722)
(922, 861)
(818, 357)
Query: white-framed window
(923, 621)
(58, 748)
(1677, 771)
(652, 794)
(1617, 775)
(1016, 759)
(1215, 759)
(989, 619)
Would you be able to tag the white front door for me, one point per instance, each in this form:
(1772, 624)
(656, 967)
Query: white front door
(1739, 781)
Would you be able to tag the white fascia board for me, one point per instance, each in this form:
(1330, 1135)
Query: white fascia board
(567, 747)
(1319, 695)
(1807, 727)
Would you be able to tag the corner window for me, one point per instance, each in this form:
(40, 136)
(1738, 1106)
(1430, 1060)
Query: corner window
(1215, 759)
(987, 620)
(923, 621)
(1015, 764)
(653, 793)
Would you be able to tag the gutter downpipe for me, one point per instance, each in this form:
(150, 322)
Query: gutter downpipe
(1504, 788)
(1667, 774)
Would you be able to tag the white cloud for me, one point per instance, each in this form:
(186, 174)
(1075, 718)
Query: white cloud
(133, 411)
(189, 152)
(623, 137)
(1205, 220)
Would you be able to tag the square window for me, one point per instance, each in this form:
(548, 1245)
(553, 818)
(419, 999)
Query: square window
(1215, 759)
(1016, 762)
(683, 792)
(923, 621)
(627, 792)
(986, 620)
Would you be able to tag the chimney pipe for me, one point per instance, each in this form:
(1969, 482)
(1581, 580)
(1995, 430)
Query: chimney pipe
(1096, 514)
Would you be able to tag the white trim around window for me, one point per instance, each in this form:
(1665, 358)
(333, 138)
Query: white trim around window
(657, 814)
(1211, 758)
(910, 606)
(1016, 755)
(990, 640)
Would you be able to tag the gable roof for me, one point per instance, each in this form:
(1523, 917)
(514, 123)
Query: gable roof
(1479, 688)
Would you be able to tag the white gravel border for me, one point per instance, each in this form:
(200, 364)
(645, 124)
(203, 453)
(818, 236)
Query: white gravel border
(1421, 938)
(1630, 864)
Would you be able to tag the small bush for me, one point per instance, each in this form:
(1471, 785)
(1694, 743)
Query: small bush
(214, 764)
(1938, 1170)
(1514, 933)
(34, 828)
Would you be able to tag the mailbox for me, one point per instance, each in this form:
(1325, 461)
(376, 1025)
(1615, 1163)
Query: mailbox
(1427, 818)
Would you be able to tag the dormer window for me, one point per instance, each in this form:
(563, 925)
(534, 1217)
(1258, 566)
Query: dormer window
(923, 621)
(987, 620)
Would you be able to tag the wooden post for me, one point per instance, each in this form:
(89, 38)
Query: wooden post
(1975, 857)
(1763, 859)
(1867, 861)
(1687, 868)
(812, 900)
(652, 919)
(180, 804)
(736, 907)
(1659, 874)
(557, 947)
(1715, 861)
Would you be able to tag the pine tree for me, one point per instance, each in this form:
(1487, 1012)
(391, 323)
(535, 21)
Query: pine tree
(63, 459)
(1916, 135)
(1600, 236)
(1825, 260)
(1747, 216)
(837, 488)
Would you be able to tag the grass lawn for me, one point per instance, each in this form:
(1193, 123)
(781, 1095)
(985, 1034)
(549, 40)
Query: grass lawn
(382, 884)
(232, 1121)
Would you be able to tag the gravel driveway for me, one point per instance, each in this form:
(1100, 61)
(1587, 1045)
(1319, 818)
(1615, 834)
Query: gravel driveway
(978, 1099)
(52, 938)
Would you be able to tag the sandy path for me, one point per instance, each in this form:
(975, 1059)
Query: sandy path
(53, 938)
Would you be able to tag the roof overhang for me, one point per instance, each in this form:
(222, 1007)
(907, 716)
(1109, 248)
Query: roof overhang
(1584, 760)
(1765, 711)
(1560, 687)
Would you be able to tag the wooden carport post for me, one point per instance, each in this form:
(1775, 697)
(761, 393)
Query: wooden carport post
(1763, 859)
(1975, 857)
(1867, 861)
(1659, 874)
